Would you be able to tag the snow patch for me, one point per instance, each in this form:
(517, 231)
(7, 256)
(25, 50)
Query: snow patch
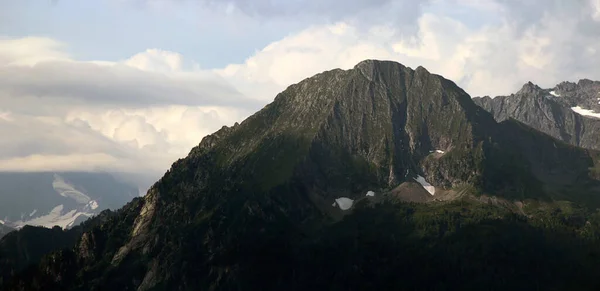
(440, 151)
(585, 112)
(553, 93)
(370, 194)
(67, 190)
(32, 213)
(334, 204)
(428, 187)
(1, 221)
(344, 203)
(55, 217)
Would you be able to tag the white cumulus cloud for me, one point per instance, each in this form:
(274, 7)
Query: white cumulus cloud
(134, 116)
(558, 44)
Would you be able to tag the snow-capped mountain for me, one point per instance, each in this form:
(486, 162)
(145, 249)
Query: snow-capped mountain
(59, 199)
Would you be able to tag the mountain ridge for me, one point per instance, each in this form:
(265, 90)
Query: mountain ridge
(552, 114)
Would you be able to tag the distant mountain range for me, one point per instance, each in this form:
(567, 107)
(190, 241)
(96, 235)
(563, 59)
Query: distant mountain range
(381, 177)
(59, 199)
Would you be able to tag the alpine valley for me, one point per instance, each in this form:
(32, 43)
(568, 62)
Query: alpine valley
(380, 177)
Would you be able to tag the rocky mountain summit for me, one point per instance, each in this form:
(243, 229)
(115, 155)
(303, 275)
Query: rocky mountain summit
(317, 191)
(569, 112)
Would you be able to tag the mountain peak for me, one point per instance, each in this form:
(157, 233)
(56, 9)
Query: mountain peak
(371, 67)
(379, 113)
(422, 69)
(529, 88)
(586, 83)
(375, 63)
(582, 84)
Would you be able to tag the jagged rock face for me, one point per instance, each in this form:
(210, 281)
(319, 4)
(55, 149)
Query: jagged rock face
(585, 93)
(247, 191)
(549, 110)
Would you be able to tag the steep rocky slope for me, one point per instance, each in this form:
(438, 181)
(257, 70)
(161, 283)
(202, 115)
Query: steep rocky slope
(262, 205)
(550, 110)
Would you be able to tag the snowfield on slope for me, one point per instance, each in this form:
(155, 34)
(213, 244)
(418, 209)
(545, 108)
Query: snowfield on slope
(53, 218)
(425, 185)
(585, 112)
(344, 203)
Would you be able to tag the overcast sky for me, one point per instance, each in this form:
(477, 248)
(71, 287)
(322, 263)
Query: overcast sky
(132, 85)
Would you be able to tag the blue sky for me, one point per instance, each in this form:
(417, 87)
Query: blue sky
(115, 30)
(108, 30)
(132, 85)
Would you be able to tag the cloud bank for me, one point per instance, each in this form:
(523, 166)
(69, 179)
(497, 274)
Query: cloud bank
(136, 115)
